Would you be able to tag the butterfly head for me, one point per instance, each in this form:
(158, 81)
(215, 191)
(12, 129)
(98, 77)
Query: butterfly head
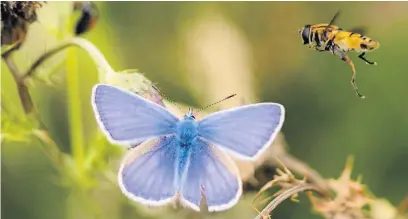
(190, 114)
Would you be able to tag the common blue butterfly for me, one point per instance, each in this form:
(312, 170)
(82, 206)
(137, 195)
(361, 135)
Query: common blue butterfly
(185, 162)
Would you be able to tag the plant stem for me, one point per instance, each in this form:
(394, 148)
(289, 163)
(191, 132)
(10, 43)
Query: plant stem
(43, 58)
(287, 193)
(93, 52)
(25, 97)
(303, 168)
(74, 109)
(74, 101)
(50, 148)
(19, 78)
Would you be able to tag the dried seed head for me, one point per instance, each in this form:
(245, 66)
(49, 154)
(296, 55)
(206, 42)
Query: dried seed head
(349, 200)
(15, 18)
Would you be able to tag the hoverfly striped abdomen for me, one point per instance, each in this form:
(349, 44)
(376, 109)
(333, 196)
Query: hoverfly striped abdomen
(367, 44)
(316, 38)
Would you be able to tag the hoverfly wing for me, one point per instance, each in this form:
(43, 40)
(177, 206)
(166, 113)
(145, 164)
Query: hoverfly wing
(332, 21)
(360, 30)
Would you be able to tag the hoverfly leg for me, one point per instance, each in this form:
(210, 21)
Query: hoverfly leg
(353, 76)
(361, 56)
(320, 50)
(347, 59)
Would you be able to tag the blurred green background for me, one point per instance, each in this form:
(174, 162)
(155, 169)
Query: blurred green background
(197, 52)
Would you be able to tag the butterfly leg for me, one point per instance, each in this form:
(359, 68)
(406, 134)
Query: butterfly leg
(133, 146)
(347, 59)
(361, 56)
(320, 50)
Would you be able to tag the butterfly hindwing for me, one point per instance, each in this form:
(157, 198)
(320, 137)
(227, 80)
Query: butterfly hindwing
(210, 175)
(127, 118)
(149, 178)
(245, 131)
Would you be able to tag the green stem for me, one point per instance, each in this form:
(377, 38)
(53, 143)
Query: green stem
(50, 148)
(23, 93)
(94, 53)
(75, 116)
(74, 109)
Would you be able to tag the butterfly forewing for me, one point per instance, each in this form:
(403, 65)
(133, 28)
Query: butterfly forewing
(245, 131)
(127, 118)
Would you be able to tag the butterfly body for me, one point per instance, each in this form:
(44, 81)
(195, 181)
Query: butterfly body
(187, 159)
(187, 131)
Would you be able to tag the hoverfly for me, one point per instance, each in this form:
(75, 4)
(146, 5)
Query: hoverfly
(329, 37)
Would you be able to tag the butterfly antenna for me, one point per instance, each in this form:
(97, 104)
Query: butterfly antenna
(162, 94)
(230, 96)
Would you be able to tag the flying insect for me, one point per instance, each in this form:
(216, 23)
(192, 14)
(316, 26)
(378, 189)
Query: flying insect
(332, 38)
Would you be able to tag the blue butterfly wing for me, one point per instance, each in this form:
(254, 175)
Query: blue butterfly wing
(127, 118)
(245, 131)
(212, 174)
(149, 178)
